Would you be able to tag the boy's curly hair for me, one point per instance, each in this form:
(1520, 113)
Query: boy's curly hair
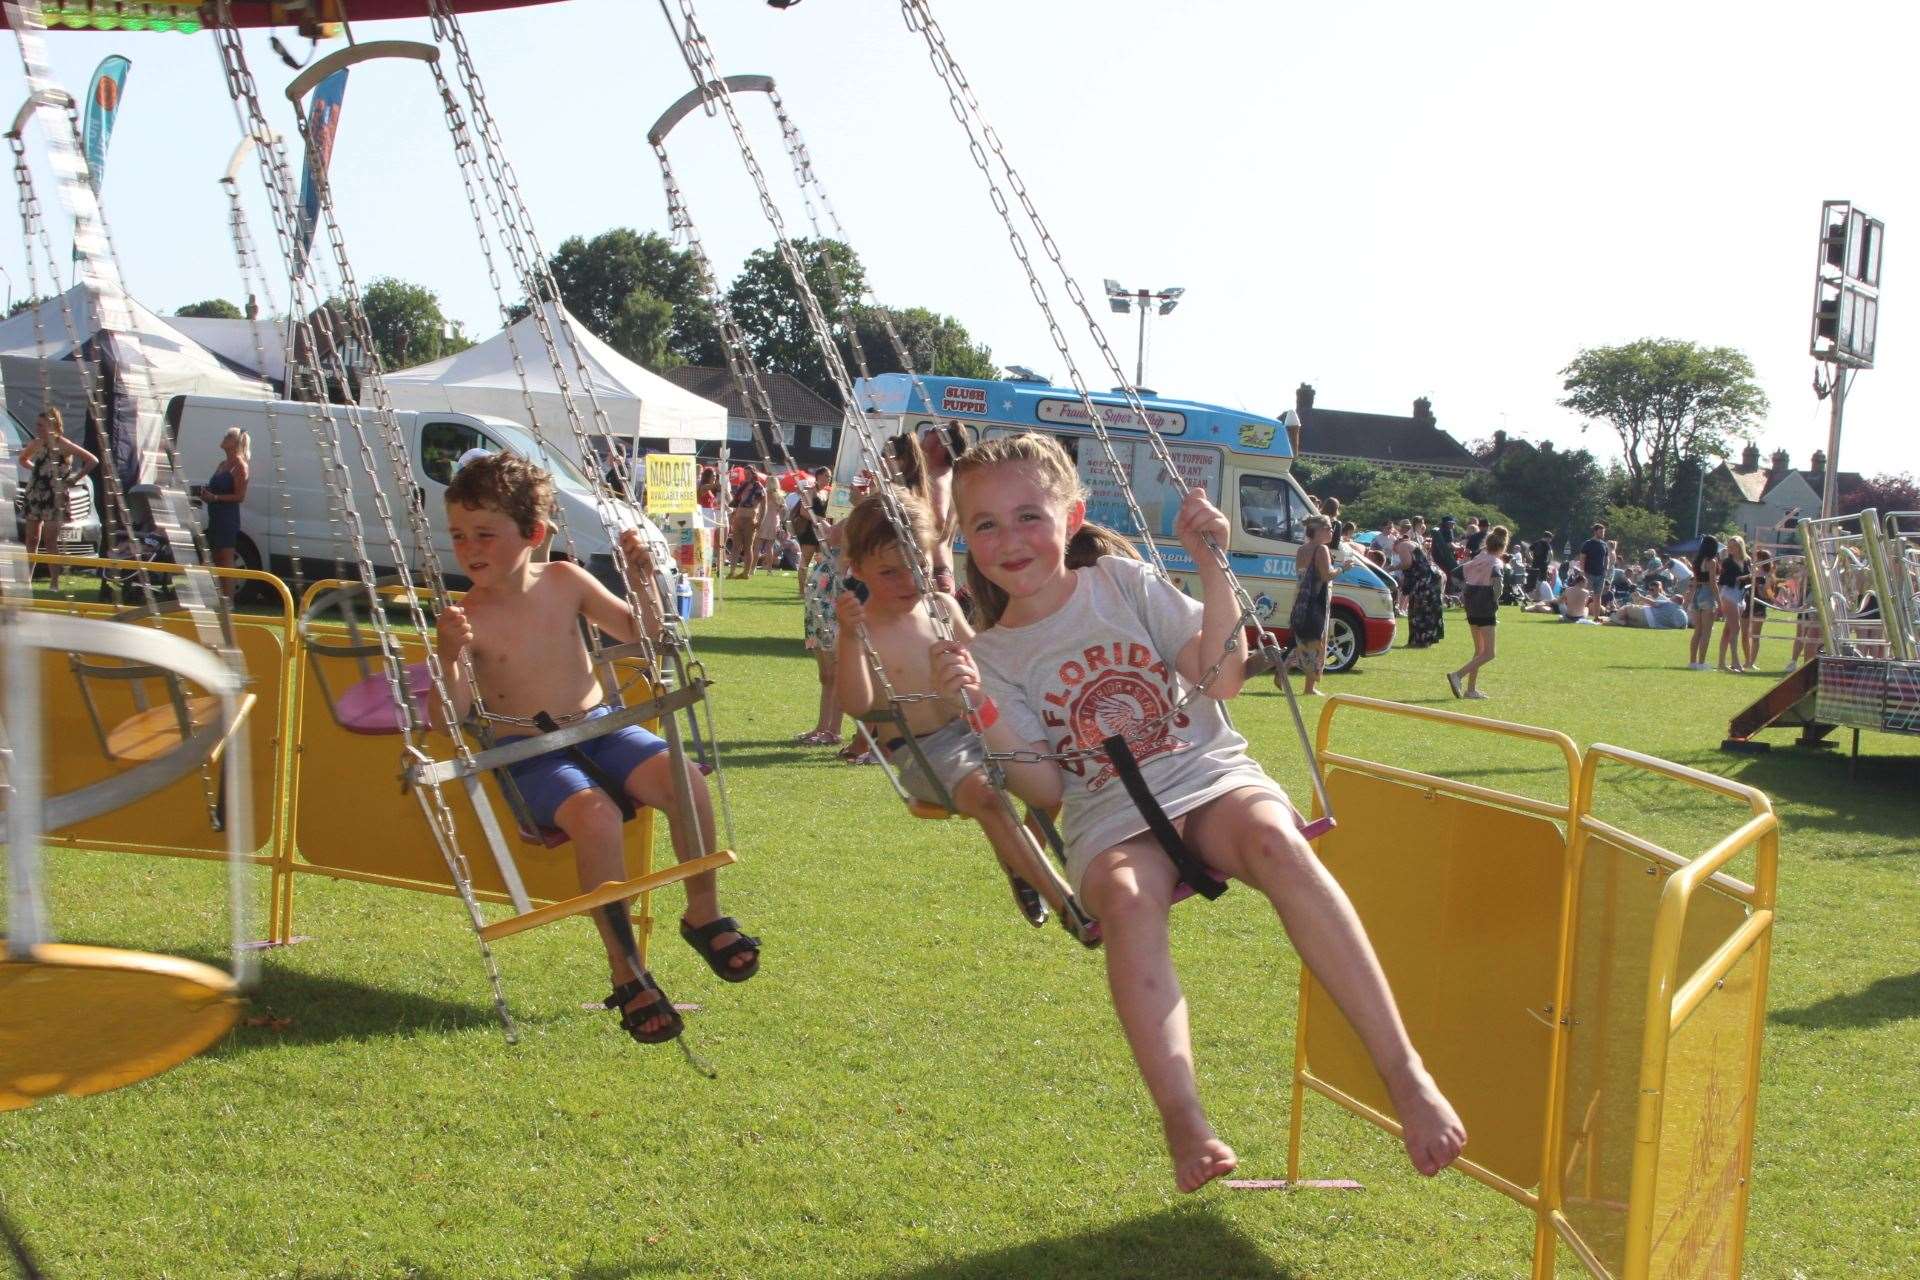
(505, 482)
(869, 533)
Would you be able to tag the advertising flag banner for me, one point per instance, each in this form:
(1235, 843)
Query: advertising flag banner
(103, 108)
(323, 122)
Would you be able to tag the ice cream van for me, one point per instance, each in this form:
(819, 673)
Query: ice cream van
(1243, 459)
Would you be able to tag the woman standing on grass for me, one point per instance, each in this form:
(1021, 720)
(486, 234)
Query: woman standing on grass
(54, 465)
(1757, 597)
(1704, 605)
(1424, 601)
(1735, 579)
(1313, 595)
(1480, 590)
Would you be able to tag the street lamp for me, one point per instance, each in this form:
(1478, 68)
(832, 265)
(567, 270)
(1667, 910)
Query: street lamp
(1124, 300)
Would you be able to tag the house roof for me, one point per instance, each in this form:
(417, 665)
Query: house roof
(794, 402)
(1381, 437)
(1760, 484)
(1753, 485)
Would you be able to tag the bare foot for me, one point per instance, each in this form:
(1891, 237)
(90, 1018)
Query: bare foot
(1429, 1126)
(1198, 1156)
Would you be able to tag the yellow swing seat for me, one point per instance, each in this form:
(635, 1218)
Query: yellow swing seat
(80, 1020)
(152, 733)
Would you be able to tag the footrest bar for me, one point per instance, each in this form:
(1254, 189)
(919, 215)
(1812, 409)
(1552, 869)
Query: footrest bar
(612, 891)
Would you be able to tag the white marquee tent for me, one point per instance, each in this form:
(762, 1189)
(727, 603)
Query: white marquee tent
(176, 364)
(639, 404)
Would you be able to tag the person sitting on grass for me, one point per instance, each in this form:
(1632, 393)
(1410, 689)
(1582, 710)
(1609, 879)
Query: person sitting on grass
(1080, 656)
(520, 625)
(1650, 607)
(1575, 599)
(893, 614)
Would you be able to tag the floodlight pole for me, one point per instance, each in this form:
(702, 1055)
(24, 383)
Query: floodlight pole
(1123, 299)
(1830, 493)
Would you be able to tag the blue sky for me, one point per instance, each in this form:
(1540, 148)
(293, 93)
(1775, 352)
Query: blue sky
(1387, 200)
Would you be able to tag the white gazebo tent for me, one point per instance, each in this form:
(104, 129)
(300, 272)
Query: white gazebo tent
(176, 364)
(642, 408)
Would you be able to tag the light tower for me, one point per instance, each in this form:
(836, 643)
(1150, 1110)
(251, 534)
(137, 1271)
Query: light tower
(1846, 316)
(1123, 300)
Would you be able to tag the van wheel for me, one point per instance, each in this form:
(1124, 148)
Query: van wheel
(250, 592)
(1345, 641)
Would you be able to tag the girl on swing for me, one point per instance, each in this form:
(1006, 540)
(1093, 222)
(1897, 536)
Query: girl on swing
(1079, 655)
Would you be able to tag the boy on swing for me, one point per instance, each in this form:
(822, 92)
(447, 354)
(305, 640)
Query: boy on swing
(520, 624)
(893, 616)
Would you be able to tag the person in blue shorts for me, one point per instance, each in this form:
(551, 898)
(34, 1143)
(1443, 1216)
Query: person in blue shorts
(520, 625)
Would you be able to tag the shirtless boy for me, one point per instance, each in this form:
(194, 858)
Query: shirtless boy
(895, 620)
(519, 623)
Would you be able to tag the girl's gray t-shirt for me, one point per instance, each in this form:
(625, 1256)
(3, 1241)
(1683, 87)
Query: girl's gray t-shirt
(1104, 664)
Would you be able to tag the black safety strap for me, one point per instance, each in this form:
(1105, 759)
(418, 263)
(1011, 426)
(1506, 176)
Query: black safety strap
(615, 790)
(1193, 872)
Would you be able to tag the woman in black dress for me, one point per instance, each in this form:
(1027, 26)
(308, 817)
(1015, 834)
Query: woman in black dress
(1424, 600)
(810, 521)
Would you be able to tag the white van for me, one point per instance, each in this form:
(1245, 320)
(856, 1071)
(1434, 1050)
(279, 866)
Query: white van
(434, 441)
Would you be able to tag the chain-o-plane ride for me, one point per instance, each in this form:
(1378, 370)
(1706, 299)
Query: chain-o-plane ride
(177, 693)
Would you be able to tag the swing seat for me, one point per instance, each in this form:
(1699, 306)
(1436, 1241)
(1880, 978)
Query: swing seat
(152, 733)
(929, 810)
(82, 1020)
(368, 706)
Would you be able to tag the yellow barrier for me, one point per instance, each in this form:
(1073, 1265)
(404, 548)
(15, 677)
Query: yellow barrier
(178, 820)
(1591, 1002)
(330, 804)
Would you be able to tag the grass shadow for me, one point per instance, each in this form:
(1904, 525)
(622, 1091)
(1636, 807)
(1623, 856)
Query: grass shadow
(1873, 796)
(1891, 999)
(319, 1008)
(1178, 1242)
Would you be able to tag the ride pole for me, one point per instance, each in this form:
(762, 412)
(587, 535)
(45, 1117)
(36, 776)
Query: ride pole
(1830, 494)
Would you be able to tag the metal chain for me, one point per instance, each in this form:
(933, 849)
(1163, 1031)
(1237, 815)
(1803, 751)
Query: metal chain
(965, 105)
(276, 177)
(253, 280)
(811, 188)
(107, 295)
(742, 367)
(34, 229)
(704, 67)
(533, 267)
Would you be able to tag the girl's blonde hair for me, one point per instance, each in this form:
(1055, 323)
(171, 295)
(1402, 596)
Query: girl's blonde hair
(1041, 456)
(1314, 524)
(1737, 547)
(1496, 539)
(240, 434)
(59, 423)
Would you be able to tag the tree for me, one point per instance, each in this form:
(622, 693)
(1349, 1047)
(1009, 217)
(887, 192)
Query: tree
(1667, 400)
(27, 304)
(1884, 493)
(211, 309)
(1636, 529)
(1541, 486)
(408, 326)
(640, 295)
(1345, 481)
(1701, 498)
(935, 343)
(772, 318)
(1397, 495)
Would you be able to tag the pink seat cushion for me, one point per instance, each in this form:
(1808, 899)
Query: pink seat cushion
(368, 706)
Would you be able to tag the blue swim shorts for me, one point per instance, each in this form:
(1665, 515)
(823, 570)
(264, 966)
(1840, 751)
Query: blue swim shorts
(546, 781)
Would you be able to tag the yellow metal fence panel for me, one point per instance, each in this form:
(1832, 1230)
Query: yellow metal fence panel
(176, 818)
(1462, 903)
(1707, 1108)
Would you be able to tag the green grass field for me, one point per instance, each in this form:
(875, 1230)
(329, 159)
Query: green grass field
(918, 1085)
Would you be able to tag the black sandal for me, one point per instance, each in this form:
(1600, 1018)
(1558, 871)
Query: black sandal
(1033, 908)
(658, 1007)
(701, 940)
